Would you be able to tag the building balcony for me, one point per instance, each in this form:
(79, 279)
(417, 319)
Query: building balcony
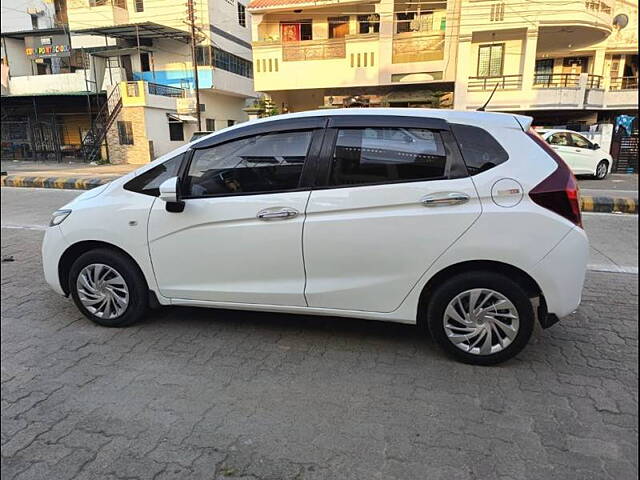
(411, 47)
(313, 63)
(78, 82)
(549, 92)
(147, 94)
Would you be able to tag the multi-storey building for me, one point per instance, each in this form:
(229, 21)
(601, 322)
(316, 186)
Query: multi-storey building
(137, 62)
(558, 60)
(310, 54)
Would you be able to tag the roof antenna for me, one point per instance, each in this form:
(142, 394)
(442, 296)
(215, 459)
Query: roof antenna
(483, 107)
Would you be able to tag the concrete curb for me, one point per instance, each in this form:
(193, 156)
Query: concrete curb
(72, 183)
(609, 204)
(589, 203)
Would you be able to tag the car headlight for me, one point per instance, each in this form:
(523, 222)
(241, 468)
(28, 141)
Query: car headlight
(58, 217)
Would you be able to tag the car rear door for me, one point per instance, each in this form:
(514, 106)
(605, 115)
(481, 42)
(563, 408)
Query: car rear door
(393, 196)
(239, 237)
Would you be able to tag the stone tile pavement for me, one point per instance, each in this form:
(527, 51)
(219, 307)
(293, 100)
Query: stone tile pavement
(212, 394)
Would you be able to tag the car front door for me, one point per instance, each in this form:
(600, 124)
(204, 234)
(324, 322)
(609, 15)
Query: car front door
(561, 142)
(239, 237)
(391, 203)
(584, 154)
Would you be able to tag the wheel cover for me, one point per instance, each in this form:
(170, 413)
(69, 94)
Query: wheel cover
(481, 321)
(102, 291)
(602, 170)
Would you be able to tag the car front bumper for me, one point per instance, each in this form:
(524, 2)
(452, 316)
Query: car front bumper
(53, 246)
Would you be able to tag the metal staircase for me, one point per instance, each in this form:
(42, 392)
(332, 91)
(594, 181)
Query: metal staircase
(93, 140)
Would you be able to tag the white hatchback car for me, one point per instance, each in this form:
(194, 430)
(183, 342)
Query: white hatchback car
(582, 156)
(463, 222)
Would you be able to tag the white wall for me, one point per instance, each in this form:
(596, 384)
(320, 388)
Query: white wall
(15, 17)
(157, 126)
(13, 53)
(222, 108)
(223, 14)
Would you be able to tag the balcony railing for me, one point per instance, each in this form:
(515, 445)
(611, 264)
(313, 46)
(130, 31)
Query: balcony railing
(556, 80)
(133, 90)
(504, 82)
(418, 46)
(164, 90)
(623, 83)
(313, 50)
(598, 6)
(595, 81)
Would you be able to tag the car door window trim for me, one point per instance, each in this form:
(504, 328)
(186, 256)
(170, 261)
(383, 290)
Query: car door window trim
(304, 182)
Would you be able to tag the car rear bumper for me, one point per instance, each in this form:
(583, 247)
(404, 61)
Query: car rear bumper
(53, 246)
(560, 275)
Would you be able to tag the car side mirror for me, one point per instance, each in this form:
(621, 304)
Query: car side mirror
(596, 146)
(170, 194)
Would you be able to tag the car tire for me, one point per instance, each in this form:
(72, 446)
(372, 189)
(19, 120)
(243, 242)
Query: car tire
(602, 170)
(457, 293)
(108, 288)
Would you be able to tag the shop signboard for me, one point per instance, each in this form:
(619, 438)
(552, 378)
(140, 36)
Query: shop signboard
(47, 46)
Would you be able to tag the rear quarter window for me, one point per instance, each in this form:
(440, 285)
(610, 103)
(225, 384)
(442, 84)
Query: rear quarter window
(480, 150)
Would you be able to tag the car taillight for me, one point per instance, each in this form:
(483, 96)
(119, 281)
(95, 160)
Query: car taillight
(559, 192)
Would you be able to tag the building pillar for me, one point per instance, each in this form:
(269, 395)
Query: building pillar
(529, 63)
(462, 72)
(598, 67)
(385, 8)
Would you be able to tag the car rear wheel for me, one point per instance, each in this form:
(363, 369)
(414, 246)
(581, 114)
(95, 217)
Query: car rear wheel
(602, 170)
(482, 318)
(108, 288)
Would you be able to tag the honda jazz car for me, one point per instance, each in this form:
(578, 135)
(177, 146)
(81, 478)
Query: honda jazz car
(581, 155)
(465, 223)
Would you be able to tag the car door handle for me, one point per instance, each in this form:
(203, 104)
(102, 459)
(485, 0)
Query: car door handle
(444, 199)
(277, 213)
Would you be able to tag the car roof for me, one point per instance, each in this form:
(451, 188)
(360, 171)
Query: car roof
(481, 119)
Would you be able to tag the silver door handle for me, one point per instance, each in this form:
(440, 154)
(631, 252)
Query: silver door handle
(277, 213)
(444, 199)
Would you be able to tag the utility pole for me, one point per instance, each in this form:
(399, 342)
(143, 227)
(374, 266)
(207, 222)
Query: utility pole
(191, 21)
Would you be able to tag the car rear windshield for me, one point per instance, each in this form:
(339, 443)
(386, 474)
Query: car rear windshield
(480, 150)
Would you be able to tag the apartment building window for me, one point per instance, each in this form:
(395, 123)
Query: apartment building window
(98, 3)
(242, 15)
(125, 133)
(294, 32)
(139, 6)
(210, 124)
(145, 62)
(490, 60)
(206, 55)
(497, 12)
(403, 21)
(176, 131)
(369, 23)
(338, 27)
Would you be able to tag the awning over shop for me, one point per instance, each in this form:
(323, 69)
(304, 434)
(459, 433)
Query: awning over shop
(182, 118)
(133, 31)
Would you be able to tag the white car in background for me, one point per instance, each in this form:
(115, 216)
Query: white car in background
(583, 156)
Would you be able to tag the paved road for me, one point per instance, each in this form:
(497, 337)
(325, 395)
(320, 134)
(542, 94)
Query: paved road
(213, 394)
(615, 185)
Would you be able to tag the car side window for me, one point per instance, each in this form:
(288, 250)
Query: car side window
(560, 139)
(579, 141)
(386, 155)
(148, 183)
(260, 164)
(480, 150)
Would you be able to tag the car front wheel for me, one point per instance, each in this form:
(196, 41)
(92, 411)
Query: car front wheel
(108, 288)
(602, 170)
(482, 318)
